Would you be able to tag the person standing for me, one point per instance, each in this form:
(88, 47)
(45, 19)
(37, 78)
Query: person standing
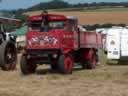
(44, 23)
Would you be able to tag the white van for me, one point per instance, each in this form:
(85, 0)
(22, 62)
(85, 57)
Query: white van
(117, 43)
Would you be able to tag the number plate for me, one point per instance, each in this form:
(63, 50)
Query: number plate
(115, 52)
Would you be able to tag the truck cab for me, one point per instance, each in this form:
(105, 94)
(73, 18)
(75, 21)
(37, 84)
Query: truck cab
(53, 35)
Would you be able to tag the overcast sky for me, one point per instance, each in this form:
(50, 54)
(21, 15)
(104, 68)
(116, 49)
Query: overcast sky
(15, 4)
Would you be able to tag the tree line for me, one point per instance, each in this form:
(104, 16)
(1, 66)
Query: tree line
(57, 4)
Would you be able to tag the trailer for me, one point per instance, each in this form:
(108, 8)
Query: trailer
(57, 41)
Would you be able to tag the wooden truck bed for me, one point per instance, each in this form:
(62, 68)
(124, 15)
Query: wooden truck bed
(90, 40)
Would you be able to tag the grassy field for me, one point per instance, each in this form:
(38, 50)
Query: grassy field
(105, 80)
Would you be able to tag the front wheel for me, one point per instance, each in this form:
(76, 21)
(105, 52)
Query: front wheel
(27, 66)
(65, 64)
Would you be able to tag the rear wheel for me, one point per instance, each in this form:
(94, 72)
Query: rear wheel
(65, 64)
(27, 66)
(91, 62)
(8, 56)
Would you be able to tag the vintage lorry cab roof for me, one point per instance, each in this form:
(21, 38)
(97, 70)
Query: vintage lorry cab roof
(54, 23)
(51, 17)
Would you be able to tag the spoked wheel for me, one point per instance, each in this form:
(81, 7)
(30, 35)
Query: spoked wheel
(91, 62)
(65, 64)
(27, 66)
(8, 56)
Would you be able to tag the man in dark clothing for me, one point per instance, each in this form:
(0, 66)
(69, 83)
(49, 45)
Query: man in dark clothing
(44, 23)
(45, 17)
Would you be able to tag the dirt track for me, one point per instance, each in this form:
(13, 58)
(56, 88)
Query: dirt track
(105, 80)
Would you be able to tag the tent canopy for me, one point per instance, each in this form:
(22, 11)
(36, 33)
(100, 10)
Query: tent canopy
(20, 32)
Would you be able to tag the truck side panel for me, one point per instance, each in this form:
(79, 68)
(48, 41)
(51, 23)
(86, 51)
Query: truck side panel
(67, 40)
(90, 40)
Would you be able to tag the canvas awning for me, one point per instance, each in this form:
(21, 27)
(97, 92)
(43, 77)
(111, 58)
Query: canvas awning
(20, 32)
